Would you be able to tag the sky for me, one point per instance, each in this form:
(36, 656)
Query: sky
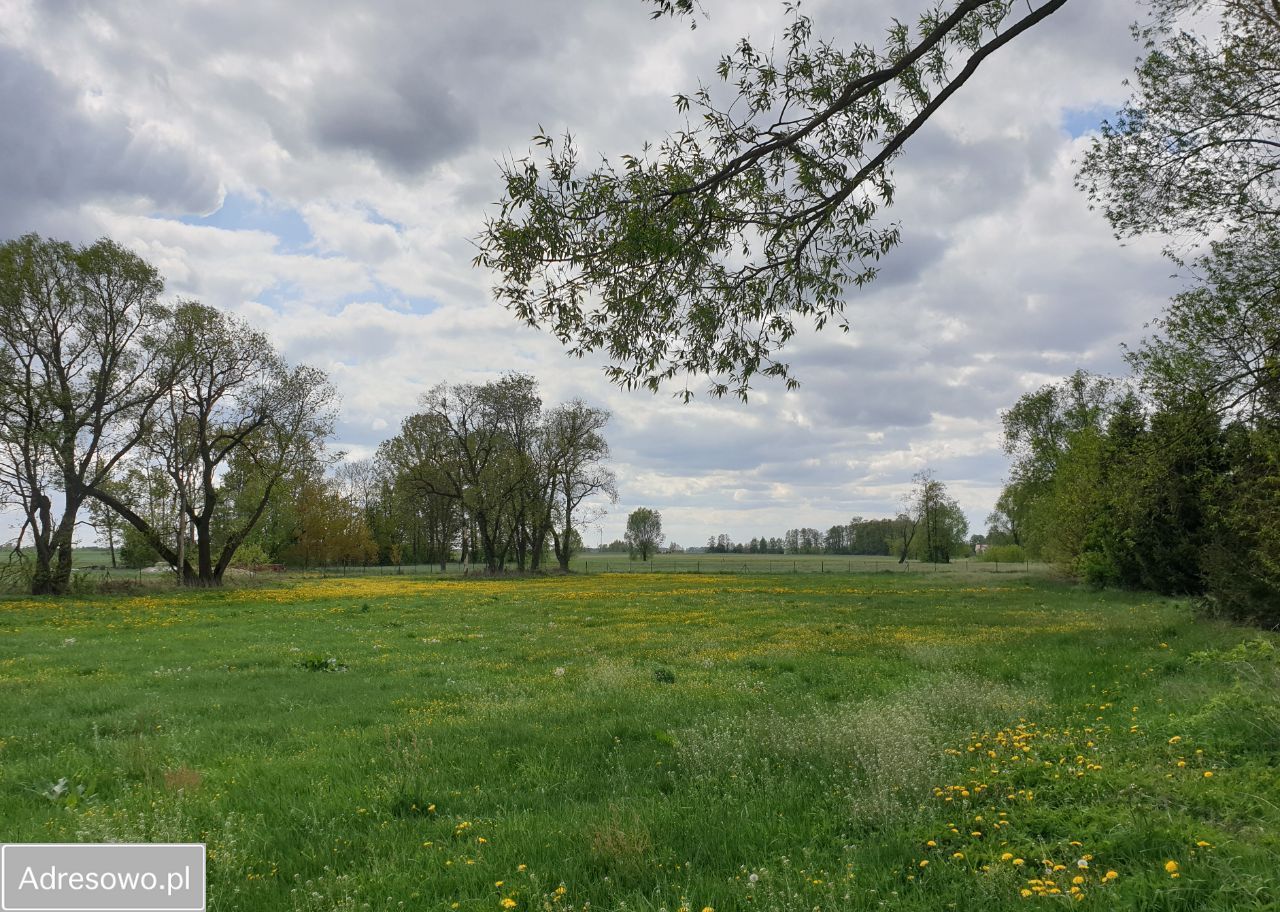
(322, 169)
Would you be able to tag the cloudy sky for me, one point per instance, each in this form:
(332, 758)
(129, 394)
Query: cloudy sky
(320, 168)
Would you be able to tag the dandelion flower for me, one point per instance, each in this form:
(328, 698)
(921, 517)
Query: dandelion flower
(1007, 856)
(1171, 866)
(1208, 774)
(508, 903)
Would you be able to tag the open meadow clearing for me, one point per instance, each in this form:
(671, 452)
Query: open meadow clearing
(656, 741)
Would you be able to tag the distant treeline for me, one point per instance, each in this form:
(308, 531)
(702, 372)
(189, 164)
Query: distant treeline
(858, 536)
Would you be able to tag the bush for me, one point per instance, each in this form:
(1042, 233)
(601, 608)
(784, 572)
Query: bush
(1096, 569)
(1005, 554)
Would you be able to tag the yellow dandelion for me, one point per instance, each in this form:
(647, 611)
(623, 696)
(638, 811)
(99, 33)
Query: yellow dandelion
(1171, 866)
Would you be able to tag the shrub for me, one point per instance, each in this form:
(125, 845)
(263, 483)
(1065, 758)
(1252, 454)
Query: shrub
(1005, 554)
(321, 663)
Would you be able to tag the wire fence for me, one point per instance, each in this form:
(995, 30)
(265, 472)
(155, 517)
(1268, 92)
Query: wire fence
(593, 564)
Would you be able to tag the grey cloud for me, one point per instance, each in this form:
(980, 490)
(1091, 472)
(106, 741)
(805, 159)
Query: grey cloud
(406, 126)
(54, 155)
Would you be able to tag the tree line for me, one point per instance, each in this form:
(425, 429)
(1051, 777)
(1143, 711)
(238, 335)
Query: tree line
(486, 471)
(183, 436)
(1170, 479)
(930, 527)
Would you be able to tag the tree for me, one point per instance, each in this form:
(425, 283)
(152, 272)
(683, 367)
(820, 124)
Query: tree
(1196, 153)
(1038, 431)
(469, 444)
(700, 256)
(576, 435)
(1197, 146)
(80, 375)
(331, 529)
(234, 404)
(644, 532)
(1219, 341)
(937, 518)
(1006, 522)
(486, 466)
(423, 482)
(107, 523)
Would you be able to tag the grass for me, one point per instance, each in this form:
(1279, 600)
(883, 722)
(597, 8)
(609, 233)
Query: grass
(92, 571)
(655, 742)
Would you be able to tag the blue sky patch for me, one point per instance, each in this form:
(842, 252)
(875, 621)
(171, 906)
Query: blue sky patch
(242, 213)
(1079, 121)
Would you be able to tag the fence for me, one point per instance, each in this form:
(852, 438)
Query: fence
(102, 577)
(592, 564)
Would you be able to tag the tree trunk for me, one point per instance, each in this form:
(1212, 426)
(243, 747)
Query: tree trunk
(52, 573)
(204, 551)
(561, 544)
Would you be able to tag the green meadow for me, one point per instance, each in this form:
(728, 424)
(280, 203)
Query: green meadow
(656, 741)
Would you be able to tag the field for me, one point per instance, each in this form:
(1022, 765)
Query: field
(656, 741)
(93, 568)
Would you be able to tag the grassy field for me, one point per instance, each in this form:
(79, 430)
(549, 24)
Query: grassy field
(94, 568)
(655, 741)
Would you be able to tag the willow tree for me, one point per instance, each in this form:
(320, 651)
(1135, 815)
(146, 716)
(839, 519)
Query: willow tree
(80, 375)
(701, 254)
(234, 401)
